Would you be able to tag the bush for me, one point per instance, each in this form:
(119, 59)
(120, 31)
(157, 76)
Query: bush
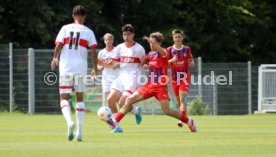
(197, 107)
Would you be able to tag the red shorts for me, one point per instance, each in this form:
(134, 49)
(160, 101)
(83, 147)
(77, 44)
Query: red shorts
(159, 92)
(181, 86)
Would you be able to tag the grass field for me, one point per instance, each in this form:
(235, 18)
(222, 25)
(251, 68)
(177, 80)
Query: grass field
(218, 136)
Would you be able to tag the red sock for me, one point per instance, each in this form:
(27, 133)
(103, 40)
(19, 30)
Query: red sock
(184, 117)
(119, 116)
(183, 112)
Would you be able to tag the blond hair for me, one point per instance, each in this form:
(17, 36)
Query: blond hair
(108, 35)
(176, 31)
(158, 36)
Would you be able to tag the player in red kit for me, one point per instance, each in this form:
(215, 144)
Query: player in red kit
(156, 86)
(181, 60)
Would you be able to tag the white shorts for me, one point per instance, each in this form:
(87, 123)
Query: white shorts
(126, 84)
(107, 82)
(67, 82)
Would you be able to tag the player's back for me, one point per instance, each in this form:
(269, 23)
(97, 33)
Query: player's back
(76, 39)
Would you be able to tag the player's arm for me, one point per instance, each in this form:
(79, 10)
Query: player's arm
(191, 60)
(115, 65)
(145, 63)
(191, 63)
(94, 61)
(157, 46)
(100, 67)
(111, 64)
(174, 59)
(57, 51)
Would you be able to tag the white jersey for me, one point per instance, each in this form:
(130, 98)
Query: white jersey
(130, 68)
(130, 57)
(107, 56)
(76, 38)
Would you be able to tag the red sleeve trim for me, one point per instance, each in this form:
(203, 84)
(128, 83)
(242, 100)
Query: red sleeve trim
(93, 46)
(58, 43)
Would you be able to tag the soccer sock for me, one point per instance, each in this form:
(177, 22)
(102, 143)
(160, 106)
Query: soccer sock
(119, 116)
(183, 112)
(66, 111)
(184, 117)
(80, 112)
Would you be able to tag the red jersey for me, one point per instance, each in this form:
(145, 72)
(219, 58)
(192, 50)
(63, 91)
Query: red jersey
(158, 69)
(184, 54)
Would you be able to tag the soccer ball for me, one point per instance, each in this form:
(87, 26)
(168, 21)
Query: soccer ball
(104, 113)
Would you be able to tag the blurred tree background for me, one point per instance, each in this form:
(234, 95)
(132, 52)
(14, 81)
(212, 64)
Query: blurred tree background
(217, 30)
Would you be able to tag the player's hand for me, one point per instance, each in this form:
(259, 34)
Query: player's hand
(94, 74)
(54, 63)
(174, 59)
(147, 38)
(191, 63)
(145, 66)
(114, 65)
(100, 67)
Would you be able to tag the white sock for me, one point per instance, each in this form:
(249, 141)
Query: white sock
(80, 112)
(66, 111)
(189, 122)
(114, 115)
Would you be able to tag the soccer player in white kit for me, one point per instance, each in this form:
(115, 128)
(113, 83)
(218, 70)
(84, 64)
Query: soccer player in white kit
(131, 55)
(71, 44)
(109, 65)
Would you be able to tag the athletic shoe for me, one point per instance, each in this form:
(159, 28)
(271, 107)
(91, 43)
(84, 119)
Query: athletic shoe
(192, 126)
(70, 133)
(180, 123)
(79, 137)
(117, 129)
(111, 123)
(138, 116)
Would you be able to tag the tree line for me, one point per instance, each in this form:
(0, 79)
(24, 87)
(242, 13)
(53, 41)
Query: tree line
(216, 30)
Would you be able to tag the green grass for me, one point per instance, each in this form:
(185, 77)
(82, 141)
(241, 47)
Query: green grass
(222, 136)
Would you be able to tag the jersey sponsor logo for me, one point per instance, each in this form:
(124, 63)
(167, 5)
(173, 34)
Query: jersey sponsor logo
(153, 62)
(107, 60)
(179, 63)
(130, 60)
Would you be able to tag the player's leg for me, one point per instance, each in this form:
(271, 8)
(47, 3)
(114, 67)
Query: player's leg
(116, 91)
(65, 88)
(131, 85)
(112, 98)
(80, 113)
(136, 97)
(80, 88)
(165, 105)
(175, 88)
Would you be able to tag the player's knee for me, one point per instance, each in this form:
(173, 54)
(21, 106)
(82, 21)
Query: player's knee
(110, 100)
(166, 111)
(129, 100)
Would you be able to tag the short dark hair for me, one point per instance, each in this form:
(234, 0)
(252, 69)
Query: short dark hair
(79, 10)
(128, 27)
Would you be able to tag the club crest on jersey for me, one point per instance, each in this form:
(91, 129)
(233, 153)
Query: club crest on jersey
(185, 54)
